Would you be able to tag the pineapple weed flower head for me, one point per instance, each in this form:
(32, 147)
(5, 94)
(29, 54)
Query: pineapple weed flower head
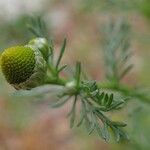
(24, 67)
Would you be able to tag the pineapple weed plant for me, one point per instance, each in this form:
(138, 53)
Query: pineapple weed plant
(31, 67)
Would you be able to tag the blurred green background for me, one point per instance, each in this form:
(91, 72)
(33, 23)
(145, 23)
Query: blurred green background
(28, 124)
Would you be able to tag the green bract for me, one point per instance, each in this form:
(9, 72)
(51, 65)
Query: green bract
(23, 67)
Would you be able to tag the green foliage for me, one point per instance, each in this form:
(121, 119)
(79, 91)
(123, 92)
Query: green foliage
(117, 55)
(116, 50)
(95, 5)
(37, 27)
(145, 8)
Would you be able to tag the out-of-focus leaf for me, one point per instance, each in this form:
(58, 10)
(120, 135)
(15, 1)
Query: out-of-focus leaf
(41, 90)
(60, 102)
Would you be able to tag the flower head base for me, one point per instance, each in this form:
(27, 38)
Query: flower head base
(23, 67)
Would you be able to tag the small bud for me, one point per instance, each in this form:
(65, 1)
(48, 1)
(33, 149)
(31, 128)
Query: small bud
(42, 45)
(23, 67)
(71, 86)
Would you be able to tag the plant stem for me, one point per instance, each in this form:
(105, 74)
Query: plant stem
(57, 81)
(125, 90)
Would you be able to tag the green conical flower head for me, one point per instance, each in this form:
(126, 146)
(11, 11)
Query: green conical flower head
(23, 67)
(17, 64)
